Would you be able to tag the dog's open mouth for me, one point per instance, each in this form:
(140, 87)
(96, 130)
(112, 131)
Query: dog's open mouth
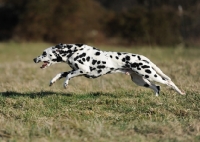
(45, 63)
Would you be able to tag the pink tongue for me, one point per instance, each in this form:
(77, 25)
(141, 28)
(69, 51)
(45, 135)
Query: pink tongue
(45, 63)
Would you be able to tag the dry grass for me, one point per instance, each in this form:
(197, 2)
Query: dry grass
(110, 108)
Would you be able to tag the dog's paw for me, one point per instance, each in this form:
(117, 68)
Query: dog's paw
(51, 83)
(57, 77)
(65, 85)
(183, 93)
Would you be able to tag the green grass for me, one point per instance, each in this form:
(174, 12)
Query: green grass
(110, 108)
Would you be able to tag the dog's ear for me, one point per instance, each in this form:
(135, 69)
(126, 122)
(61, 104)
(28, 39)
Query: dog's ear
(59, 46)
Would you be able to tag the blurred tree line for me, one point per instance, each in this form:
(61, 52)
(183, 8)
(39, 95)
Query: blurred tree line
(145, 22)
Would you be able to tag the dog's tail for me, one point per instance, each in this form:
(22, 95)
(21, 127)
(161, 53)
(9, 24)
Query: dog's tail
(159, 71)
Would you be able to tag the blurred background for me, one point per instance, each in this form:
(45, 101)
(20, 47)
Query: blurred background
(127, 22)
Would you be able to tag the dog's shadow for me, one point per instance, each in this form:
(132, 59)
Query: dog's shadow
(41, 94)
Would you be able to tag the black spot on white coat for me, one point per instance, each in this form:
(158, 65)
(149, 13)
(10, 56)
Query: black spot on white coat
(145, 66)
(119, 53)
(148, 71)
(128, 58)
(97, 53)
(88, 58)
(94, 62)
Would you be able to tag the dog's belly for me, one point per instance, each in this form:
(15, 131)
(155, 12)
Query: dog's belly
(99, 72)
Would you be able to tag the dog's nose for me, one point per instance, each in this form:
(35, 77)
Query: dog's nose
(35, 60)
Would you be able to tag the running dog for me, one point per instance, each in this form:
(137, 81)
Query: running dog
(92, 63)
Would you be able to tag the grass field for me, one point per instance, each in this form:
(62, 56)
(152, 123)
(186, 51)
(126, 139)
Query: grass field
(106, 109)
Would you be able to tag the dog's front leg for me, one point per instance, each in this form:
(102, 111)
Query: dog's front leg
(58, 76)
(71, 75)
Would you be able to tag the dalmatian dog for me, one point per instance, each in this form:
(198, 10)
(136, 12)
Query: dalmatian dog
(92, 63)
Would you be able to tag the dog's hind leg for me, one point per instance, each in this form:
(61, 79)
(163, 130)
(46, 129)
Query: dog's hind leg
(148, 72)
(141, 81)
(159, 79)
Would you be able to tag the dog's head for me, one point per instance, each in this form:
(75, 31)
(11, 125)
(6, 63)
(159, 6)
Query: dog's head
(51, 56)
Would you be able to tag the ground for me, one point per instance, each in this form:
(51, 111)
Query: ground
(110, 108)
